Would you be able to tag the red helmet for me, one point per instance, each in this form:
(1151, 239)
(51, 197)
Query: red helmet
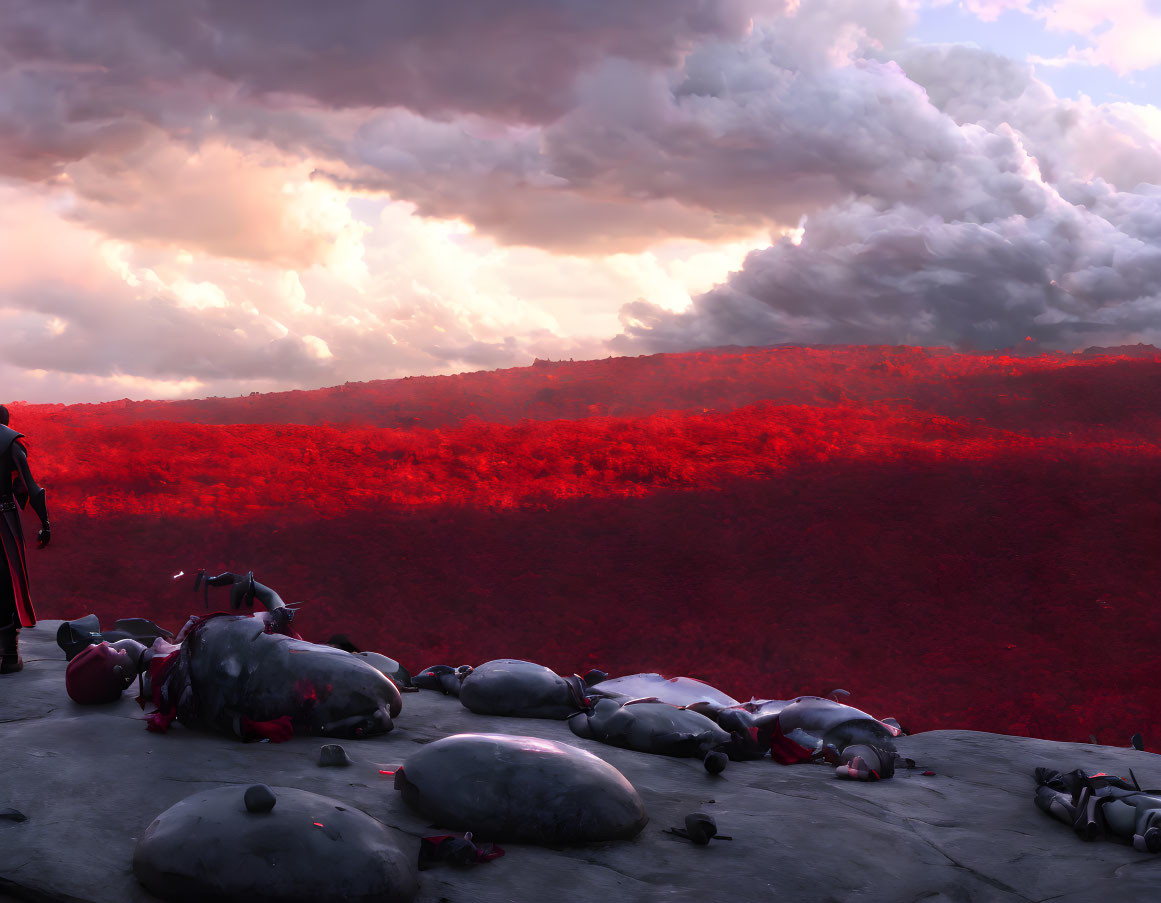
(99, 674)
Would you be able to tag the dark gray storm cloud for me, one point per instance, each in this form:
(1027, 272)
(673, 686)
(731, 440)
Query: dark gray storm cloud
(86, 75)
(978, 209)
(901, 276)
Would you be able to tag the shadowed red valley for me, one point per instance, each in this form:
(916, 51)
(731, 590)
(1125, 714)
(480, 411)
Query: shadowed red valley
(960, 540)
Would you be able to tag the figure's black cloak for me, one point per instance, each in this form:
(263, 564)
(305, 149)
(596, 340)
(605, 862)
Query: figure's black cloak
(12, 536)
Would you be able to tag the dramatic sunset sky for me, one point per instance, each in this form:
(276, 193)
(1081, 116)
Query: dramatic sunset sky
(213, 197)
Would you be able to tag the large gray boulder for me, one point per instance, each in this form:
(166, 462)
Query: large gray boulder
(518, 689)
(231, 844)
(520, 788)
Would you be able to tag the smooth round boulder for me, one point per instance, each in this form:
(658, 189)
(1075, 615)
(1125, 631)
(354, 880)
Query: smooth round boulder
(518, 689)
(306, 848)
(520, 789)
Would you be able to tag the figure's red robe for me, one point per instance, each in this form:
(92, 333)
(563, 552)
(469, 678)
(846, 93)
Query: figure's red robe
(12, 533)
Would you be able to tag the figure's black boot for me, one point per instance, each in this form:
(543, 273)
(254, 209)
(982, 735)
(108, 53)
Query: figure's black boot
(73, 636)
(10, 661)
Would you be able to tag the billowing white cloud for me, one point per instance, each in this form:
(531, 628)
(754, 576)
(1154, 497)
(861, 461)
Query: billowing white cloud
(1117, 142)
(222, 197)
(980, 211)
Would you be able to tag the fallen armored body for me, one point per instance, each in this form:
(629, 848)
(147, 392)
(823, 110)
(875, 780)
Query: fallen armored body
(240, 674)
(254, 677)
(1097, 806)
(443, 678)
(251, 676)
(654, 727)
(800, 728)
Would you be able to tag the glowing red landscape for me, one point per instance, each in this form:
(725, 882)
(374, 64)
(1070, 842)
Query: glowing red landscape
(960, 540)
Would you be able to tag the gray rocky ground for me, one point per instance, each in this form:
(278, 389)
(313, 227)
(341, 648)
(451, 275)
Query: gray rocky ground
(90, 779)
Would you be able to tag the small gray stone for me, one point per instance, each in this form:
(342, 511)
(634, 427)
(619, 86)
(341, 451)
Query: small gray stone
(700, 827)
(259, 798)
(715, 762)
(333, 754)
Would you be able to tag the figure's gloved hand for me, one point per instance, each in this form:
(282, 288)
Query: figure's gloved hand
(280, 620)
(44, 537)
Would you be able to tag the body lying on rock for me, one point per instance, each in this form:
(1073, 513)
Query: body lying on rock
(242, 675)
(810, 724)
(252, 676)
(654, 727)
(675, 716)
(443, 678)
(528, 690)
(1101, 806)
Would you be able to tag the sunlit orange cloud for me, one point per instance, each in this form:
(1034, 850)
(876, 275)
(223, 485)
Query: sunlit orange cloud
(364, 286)
(249, 203)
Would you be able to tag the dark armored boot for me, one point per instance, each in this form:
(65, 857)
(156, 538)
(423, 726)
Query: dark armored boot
(10, 661)
(75, 636)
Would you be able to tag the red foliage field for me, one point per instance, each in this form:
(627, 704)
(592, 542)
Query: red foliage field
(960, 540)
